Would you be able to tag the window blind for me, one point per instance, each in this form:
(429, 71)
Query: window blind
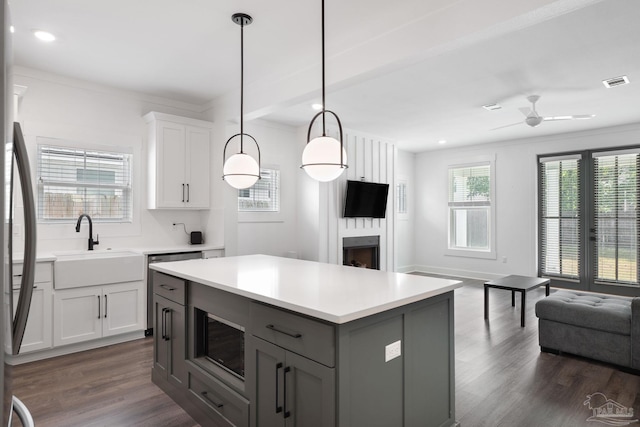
(616, 217)
(560, 217)
(73, 181)
(470, 207)
(264, 195)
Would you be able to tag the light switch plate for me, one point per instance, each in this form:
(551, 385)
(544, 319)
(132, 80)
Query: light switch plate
(392, 350)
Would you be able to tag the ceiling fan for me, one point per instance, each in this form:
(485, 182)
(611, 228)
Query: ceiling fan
(533, 119)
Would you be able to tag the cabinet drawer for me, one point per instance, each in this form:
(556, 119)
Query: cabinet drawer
(42, 273)
(218, 401)
(170, 287)
(302, 335)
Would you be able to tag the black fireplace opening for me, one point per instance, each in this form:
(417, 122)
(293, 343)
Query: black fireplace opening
(361, 251)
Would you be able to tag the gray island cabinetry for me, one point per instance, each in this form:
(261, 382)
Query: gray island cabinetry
(271, 341)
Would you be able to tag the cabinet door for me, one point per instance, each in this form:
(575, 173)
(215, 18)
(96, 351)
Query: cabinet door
(198, 166)
(38, 333)
(77, 315)
(309, 393)
(123, 309)
(169, 336)
(171, 163)
(267, 373)
(160, 344)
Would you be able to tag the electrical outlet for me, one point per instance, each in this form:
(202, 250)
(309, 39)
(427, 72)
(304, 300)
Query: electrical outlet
(504, 259)
(392, 350)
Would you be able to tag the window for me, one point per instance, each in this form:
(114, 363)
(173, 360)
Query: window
(401, 191)
(264, 195)
(470, 210)
(588, 220)
(560, 216)
(72, 181)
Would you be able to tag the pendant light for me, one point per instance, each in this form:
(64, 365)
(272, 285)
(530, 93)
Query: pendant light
(324, 158)
(241, 170)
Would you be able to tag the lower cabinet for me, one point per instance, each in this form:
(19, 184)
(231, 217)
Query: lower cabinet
(38, 333)
(84, 314)
(290, 390)
(169, 340)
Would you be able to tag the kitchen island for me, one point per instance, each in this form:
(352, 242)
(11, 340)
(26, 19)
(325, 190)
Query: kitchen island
(267, 341)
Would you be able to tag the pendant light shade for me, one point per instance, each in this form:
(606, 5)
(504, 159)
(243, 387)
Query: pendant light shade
(324, 158)
(241, 170)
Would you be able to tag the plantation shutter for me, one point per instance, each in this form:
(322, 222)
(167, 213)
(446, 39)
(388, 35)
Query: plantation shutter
(72, 181)
(616, 189)
(560, 226)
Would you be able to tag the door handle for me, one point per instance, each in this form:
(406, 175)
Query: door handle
(287, 414)
(188, 193)
(183, 193)
(278, 407)
(167, 326)
(163, 326)
(106, 306)
(99, 308)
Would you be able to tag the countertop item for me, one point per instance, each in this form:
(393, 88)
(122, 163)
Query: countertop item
(336, 293)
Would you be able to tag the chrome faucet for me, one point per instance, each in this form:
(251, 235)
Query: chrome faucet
(91, 241)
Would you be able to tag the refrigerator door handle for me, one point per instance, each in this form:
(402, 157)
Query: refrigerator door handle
(28, 273)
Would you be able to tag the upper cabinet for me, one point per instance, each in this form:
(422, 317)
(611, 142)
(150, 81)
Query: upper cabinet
(178, 172)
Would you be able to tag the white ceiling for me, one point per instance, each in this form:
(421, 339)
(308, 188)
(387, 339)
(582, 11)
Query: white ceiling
(413, 71)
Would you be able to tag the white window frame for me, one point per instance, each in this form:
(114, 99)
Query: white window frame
(127, 188)
(490, 252)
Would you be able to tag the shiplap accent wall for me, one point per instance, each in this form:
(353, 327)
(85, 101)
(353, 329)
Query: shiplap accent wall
(370, 159)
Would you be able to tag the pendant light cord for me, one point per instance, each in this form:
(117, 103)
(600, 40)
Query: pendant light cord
(242, 83)
(324, 107)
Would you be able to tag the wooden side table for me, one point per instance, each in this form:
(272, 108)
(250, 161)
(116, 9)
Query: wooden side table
(514, 284)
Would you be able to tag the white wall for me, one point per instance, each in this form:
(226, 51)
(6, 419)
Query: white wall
(87, 113)
(264, 232)
(405, 236)
(515, 200)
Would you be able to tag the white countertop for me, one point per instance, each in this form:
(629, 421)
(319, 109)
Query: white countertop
(336, 293)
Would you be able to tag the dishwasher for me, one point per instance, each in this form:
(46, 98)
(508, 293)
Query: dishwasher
(153, 259)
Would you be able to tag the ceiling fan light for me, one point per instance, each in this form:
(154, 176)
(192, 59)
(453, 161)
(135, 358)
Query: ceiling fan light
(321, 159)
(241, 171)
(533, 121)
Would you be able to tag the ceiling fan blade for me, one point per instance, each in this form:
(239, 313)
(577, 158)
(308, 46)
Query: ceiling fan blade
(574, 117)
(507, 126)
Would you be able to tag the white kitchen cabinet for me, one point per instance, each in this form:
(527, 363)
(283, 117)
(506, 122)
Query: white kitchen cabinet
(38, 333)
(179, 162)
(83, 314)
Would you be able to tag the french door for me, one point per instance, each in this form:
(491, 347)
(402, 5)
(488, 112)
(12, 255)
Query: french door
(588, 220)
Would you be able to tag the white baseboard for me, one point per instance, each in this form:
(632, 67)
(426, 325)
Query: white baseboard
(73, 348)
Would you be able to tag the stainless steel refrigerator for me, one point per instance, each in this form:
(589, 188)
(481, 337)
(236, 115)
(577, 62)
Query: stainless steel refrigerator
(14, 158)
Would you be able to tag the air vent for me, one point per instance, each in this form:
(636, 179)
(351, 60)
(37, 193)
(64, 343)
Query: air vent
(491, 107)
(616, 81)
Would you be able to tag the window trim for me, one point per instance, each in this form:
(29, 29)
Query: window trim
(491, 252)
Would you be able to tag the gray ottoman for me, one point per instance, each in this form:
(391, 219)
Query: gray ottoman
(598, 326)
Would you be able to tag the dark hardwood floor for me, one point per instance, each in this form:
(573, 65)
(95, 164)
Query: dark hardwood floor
(502, 378)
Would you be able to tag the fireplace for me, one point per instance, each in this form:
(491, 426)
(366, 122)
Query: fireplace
(362, 251)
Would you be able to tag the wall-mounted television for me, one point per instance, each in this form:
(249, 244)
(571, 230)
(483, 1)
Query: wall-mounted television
(365, 200)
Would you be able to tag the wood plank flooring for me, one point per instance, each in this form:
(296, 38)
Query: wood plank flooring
(502, 378)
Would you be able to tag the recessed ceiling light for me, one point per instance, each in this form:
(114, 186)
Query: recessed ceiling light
(616, 81)
(316, 107)
(491, 107)
(44, 35)
(442, 141)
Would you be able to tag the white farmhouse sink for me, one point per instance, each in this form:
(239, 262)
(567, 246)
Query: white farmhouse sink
(102, 267)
